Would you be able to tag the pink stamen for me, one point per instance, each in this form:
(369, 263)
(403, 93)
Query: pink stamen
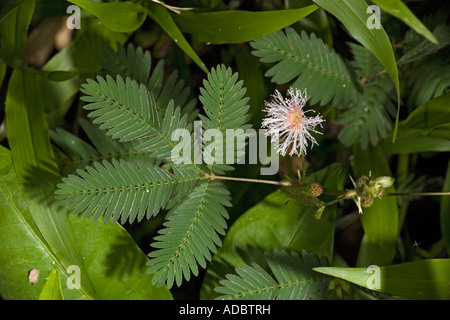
(295, 118)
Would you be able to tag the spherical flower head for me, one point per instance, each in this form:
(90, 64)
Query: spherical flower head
(288, 125)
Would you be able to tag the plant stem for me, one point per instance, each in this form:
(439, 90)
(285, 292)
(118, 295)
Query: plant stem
(417, 194)
(278, 183)
(303, 167)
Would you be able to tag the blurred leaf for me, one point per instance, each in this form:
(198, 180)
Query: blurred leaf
(415, 50)
(13, 32)
(317, 22)
(7, 6)
(399, 10)
(117, 16)
(429, 85)
(426, 129)
(277, 222)
(415, 144)
(423, 279)
(82, 55)
(381, 219)
(353, 15)
(235, 26)
(162, 16)
(428, 116)
(52, 287)
(58, 76)
(445, 211)
(369, 119)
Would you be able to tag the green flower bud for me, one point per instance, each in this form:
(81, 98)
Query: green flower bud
(384, 182)
(319, 212)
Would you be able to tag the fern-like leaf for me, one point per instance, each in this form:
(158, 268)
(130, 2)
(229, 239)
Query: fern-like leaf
(293, 279)
(74, 153)
(226, 109)
(367, 119)
(417, 48)
(250, 283)
(127, 112)
(123, 189)
(190, 234)
(135, 63)
(319, 69)
(431, 84)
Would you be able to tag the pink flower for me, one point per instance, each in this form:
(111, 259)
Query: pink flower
(287, 123)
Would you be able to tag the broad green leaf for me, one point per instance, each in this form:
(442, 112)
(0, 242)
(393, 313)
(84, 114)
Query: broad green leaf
(115, 264)
(277, 222)
(13, 32)
(380, 221)
(236, 26)
(162, 16)
(2, 72)
(22, 247)
(399, 10)
(36, 169)
(428, 116)
(445, 211)
(426, 129)
(423, 279)
(353, 15)
(7, 6)
(118, 16)
(52, 288)
(415, 144)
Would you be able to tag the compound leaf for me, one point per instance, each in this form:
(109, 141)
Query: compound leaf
(190, 234)
(317, 68)
(127, 111)
(293, 279)
(226, 109)
(123, 189)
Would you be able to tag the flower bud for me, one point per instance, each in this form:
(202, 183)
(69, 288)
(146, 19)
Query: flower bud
(384, 182)
(319, 212)
(362, 181)
(315, 189)
(366, 202)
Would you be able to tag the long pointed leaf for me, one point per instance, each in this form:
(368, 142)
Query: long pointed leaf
(353, 15)
(398, 9)
(36, 169)
(162, 16)
(237, 26)
(423, 279)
